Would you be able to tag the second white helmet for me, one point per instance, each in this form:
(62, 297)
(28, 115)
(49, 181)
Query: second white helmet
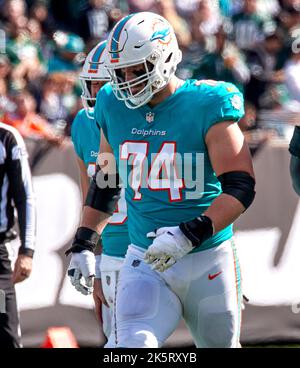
(93, 70)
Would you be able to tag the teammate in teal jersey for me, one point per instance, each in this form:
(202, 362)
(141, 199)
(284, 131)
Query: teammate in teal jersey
(187, 174)
(295, 159)
(85, 136)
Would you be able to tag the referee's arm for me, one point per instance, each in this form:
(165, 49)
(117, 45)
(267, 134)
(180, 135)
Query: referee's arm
(295, 159)
(20, 185)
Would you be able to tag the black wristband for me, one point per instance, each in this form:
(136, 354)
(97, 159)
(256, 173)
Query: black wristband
(295, 143)
(85, 239)
(197, 230)
(26, 252)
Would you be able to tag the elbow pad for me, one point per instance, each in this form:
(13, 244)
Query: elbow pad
(240, 185)
(104, 192)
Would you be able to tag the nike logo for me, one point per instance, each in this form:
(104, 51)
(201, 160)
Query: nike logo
(213, 276)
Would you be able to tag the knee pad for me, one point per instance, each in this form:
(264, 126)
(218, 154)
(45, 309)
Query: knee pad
(218, 322)
(218, 330)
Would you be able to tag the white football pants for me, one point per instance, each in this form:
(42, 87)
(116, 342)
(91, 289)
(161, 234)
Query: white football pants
(204, 288)
(110, 267)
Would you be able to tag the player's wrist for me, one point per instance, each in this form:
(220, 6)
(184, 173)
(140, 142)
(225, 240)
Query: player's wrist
(85, 239)
(26, 252)
(294, 147)
(197, 230)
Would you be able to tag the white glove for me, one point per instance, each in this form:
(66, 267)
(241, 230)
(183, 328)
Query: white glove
(82, 271)
(98, 269)
(169, 245)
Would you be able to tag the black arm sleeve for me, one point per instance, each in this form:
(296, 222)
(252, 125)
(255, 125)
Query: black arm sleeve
(240, 185)
(104, 192)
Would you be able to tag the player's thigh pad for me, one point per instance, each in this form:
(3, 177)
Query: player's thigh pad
(147, 310)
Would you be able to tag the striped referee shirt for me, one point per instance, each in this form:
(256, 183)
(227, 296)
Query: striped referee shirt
(16, 188)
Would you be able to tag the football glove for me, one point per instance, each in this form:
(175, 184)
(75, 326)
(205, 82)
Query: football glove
(82, 271)
(169, 245)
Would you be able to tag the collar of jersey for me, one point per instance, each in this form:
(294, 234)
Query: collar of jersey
(165, 102)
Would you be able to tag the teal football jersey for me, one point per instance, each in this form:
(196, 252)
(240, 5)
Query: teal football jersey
(86, 137)
(162, 156)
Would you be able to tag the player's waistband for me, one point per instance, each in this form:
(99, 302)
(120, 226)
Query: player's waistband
(139, 251)
(136, 250)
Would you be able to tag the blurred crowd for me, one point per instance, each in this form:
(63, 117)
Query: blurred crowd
(254, 44)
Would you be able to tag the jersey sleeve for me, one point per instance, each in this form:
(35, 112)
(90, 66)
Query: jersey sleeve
(75, 136)
(225, 103)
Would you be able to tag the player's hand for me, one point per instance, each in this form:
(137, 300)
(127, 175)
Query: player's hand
(169, 245)
(82, 271)
(22, 269)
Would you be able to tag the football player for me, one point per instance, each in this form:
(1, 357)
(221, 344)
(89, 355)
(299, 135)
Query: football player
(187, 174)
(85, 136)
(295, 159)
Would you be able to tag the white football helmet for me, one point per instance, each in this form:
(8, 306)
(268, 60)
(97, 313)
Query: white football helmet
(141, 38)
(93, 70)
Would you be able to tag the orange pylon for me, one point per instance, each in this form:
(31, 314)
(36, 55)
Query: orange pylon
(59, 337)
